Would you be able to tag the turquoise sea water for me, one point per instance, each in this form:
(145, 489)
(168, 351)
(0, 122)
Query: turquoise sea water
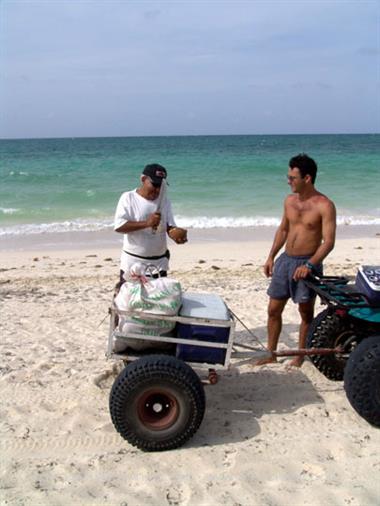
(50, 185)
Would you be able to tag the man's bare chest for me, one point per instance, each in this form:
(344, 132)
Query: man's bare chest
(304, 215)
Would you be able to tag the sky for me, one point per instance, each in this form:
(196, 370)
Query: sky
(72, 68)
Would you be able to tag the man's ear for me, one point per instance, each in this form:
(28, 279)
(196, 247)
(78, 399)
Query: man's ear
(308, 178)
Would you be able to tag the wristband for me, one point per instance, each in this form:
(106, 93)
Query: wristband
(310, 266)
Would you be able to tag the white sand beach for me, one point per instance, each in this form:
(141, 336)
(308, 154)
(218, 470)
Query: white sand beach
(269, 436)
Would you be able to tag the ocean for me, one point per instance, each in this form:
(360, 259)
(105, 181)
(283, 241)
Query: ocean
(73, 184)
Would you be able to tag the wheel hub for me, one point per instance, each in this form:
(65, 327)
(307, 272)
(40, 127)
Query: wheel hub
(157, 409)
(347, 340)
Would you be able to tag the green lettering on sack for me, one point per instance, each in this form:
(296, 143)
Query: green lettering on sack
(152, 323)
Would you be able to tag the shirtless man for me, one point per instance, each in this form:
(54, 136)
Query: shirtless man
(308, 231)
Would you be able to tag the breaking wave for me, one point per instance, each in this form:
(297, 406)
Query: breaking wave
(200, 222)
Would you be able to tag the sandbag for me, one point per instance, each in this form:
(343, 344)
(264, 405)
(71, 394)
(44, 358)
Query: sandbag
(161, 296)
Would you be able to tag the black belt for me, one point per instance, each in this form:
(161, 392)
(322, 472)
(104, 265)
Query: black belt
(165, 255)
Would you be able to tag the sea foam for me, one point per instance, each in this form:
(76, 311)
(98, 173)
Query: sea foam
(8, 210)
(197, 222)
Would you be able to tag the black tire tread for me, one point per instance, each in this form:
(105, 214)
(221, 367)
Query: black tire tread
(157, 367)
(325, 326)
(362, 380)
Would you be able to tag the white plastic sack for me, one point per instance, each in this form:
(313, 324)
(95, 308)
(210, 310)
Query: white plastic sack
(161, 296)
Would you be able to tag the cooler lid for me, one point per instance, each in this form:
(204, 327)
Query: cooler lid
(204, 305)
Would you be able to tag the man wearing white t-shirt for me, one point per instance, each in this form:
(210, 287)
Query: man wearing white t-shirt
(145, 217)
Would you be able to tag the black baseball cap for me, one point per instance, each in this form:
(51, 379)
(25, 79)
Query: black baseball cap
(156, 173)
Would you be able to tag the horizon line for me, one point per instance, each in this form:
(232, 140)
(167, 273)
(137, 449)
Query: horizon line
(177, 135)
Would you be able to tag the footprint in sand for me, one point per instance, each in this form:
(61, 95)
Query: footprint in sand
(174, 496)
(229, 458)
(313, 472)
(101, 380)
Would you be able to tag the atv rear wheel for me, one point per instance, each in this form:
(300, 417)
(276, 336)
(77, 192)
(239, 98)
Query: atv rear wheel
(362, 379)
(157, 403)
(330, 330)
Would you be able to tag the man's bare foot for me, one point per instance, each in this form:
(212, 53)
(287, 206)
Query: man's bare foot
(263, 361)
(296, 362)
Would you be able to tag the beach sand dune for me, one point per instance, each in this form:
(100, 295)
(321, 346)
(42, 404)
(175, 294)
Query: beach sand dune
(269, 436)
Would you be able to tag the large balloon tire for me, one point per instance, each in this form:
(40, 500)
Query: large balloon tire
(157, 403)
(362, 380)
(329, 330)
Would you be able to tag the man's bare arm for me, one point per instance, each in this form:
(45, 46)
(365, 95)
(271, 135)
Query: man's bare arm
(279, 238)
(278, 242)
(131, 226)
(328, 213)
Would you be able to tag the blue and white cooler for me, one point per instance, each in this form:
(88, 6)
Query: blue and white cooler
(209, 306)
(368, 283)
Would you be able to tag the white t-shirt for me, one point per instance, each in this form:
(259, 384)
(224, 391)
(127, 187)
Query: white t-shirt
(146, 242)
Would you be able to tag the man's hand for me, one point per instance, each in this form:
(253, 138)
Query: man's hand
(301, 272)
(268, 267)
(178, 235)
(153, 220)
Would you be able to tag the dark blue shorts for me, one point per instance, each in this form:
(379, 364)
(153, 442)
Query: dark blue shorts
(283, 286)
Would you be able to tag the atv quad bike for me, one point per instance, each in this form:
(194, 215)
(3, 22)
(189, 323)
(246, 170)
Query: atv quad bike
(351, 325)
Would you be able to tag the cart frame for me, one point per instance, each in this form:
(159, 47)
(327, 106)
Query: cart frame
(134, 355)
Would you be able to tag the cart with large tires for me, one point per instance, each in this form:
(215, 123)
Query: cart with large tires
(158, 401)
(351, 325)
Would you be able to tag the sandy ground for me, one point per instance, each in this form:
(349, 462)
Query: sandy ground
(269, 436)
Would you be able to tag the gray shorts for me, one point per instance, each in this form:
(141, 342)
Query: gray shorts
(283, 286)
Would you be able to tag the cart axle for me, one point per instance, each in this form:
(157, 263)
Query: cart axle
(309, 351)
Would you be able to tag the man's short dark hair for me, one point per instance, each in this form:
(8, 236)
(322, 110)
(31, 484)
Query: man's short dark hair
(305, 164)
